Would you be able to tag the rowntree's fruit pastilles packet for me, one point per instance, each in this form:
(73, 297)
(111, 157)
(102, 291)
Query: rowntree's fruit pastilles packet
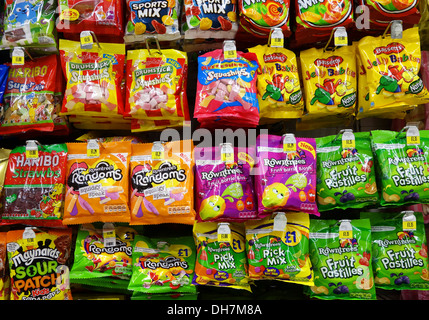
(220, 263)
(163, 265)
(93, 78)
(402, 169)
(400, 253)
(38, 263)
(285, 180)
(279, 89)
(330, 81)
(224, 188)
(345, 176)
(97, 186)
(341, 260)
(392, 67)
(280, 251)
(162, 185)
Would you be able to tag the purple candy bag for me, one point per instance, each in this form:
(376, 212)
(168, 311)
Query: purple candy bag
(224, 190)
(285, 180)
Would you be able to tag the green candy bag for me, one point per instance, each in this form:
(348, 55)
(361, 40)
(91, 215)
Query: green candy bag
(400, 256)
(402, 168)
(163, 265)
(345, 176)
(340, 252)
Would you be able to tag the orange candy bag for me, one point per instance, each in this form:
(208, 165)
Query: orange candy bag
(97, 186)
(162, 183)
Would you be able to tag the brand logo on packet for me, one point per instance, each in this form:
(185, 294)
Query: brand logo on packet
(166, 171)
(167, 263)
(118, 247)
(393, 47)
(81, 175)
(333, 61)
(275, 57)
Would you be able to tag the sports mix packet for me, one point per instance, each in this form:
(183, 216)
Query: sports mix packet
(400, 252)
(285, 179)
(341, 260)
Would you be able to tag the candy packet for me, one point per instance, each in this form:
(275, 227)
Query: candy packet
(402, 168)
(278, 248)
(220, 261)
(39, 263)
(285, 174)
(163, 265)
(34, 185)
(4, 159)
(162, 183)
(330, 81)
(340, 253)
(4, 71)
(97, 182)
(4, 269)
(400, 252)
(279, 89)
(224, 187)
(93, 78)
(145, 18)
(392, 67)
(226, 90)
(345, 173)
(29, 96)
(204, 20)
(139, 125)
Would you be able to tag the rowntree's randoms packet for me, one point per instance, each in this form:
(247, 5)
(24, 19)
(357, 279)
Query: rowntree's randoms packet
(224, 187)
(341, 260)
(278, 248)
(97, 184)
(163, 265)
(392, 67)
(220, 262)
(226, 90)
(402, 168)
(400, 252)
(162, 183)
(34, 187)
(38, 263)
(93, 78)
(330, 81)
(285, 178)
(345, 176)
(279, 89)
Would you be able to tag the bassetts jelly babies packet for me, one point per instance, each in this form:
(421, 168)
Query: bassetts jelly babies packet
(97, 185)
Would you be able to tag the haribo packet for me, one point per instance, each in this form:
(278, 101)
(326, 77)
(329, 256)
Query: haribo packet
(163, 265)
(39, 263)
(280, 251)
(93, 78)
(285, 180)
(97, 184)
(220, 263)
(224, 189)
(279, 88)
(402, 168)
(341, 260)
(162, 185)
(400, 252)
(345, 176)
(226, 90)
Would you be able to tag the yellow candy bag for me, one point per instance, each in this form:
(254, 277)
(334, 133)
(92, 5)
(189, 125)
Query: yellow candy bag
(279, 89)
(392, 67)
(330, 81)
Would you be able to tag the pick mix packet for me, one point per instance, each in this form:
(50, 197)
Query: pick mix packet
(402, 169)
(279, 88)
(93, 78)
(162, 186)
(97, 186)
(342, 261)
(280, 253)
(285, 180)
(346, 177)
(39, 263)
(226, 90)
(224, 189)
(220, 263)
(400, 252)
